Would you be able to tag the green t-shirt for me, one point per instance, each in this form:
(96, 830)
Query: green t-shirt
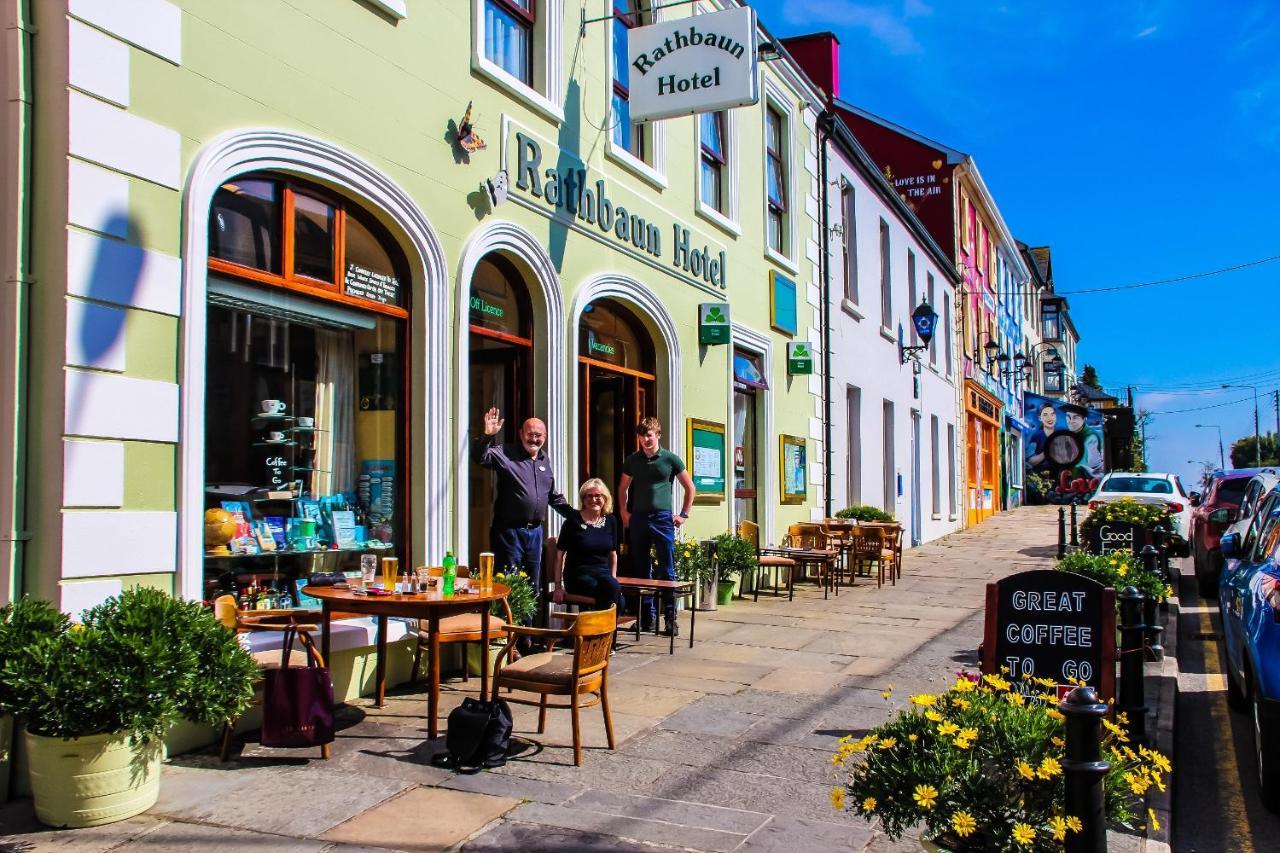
(651, 479)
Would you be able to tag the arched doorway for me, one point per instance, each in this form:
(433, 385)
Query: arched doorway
(501, 339)
(616, 387)
(306, 387)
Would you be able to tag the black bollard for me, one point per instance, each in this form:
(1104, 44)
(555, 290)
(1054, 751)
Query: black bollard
(1075, 528)
(1148, 556)
(1062, 532)
(1154, 650)
(1133, 697)
(1083, 770)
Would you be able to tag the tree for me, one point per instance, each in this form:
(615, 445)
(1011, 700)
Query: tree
(1243, 454)
(1138, 444)
(1090, 377)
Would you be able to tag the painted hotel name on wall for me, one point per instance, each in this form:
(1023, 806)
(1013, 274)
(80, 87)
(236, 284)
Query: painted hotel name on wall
(568, 191)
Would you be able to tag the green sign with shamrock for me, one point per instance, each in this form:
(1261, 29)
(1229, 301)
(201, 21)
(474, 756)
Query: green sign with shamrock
(799, 358)
(713, 323)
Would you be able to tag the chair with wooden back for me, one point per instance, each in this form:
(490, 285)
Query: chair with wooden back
(585, 670)
(867, 546)
(809, 545)
(892, 542)
(838, 536)
(769, 559)
(305, 622)
(462, 628)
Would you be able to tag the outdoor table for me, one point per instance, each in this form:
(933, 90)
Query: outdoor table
(642, 587)
(431, 606)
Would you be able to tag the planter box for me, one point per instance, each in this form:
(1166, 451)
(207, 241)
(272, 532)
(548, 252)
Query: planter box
(90, 781)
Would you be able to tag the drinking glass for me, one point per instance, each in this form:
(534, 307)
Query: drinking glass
(368, 569)
(390, 570)
(486, 571)
(421, 574)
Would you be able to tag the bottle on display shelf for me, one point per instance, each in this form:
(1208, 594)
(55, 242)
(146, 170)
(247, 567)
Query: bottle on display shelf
(251, 595)
(450, 573)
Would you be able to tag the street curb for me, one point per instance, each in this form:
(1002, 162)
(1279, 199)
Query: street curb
(1163, 676)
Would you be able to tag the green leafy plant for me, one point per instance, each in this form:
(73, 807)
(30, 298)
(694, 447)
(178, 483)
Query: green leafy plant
(1150, 516)
(693, 563)
(140, 662)
(864, 512)
(1117, 570)
(735, 556)
(980, 767)
(22, 624)
(522, 600)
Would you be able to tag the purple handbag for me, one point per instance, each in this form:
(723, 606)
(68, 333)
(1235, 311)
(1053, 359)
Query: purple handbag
(297, 701)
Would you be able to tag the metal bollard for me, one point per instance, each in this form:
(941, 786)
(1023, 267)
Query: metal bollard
(1075, 528)
(1154, 650)
(1148, 556)
(1062, 532)
(1133, 697)
(1083, 770)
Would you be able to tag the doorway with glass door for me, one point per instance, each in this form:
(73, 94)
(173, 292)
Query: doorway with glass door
(749, 387)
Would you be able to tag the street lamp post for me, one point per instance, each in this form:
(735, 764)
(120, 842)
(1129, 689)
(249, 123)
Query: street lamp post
(1222, 459)
(1257, 443)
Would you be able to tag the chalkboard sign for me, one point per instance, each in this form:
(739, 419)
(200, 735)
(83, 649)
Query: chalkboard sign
(374, 286)
(1055, 625)
(1123, 536)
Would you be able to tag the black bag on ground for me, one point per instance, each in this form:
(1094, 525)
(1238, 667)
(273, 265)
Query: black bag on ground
(479, 734)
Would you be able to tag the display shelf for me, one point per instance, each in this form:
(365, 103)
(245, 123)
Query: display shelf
(304, 468)
(259, 419)
(299, 429)
(275, 444)
(309, 553)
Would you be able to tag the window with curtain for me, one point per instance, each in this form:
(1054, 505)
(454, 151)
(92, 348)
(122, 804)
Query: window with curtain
(886, 285)
(508, 36)
(951, 470)
(714, 160)
(626, 134)
(911, 292)
(849, 244)
(935, 471)
(933, 342)
(776, 172)
(947, 331)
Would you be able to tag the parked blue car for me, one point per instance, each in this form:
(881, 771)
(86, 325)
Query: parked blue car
(1249, 597)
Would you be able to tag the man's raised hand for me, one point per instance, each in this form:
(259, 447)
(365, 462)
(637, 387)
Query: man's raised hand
(493, 422)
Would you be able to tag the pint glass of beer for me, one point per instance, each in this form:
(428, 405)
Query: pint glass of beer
(486, 571)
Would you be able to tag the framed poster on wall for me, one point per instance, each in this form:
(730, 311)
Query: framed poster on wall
(706, 459)
(795, 469)
(782, 303)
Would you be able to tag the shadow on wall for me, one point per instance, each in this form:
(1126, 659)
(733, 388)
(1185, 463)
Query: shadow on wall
(568, 163)
(115, 277)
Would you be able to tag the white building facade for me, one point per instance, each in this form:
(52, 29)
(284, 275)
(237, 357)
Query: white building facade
(895, 433)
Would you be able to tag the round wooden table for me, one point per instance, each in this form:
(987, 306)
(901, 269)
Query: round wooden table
(428, 606)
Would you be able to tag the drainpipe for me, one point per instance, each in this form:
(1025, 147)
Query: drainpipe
(826, 120)
(15, 217)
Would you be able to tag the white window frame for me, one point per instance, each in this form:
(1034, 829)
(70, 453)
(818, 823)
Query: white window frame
(849, 245)
(727, 221)
(546, 96)
(885, 237)
(655, 173)
(935, 472)
(931, 292)
(776, 98)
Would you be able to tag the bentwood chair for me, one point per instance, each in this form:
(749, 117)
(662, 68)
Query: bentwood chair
(304, 622)
(892, 541)
(808, 545)
(769, 559)
(584, 671)
(462, 629)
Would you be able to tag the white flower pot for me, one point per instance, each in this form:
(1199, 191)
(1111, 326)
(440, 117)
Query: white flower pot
(92, 780)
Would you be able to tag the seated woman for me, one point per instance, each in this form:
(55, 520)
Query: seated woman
(587, 550)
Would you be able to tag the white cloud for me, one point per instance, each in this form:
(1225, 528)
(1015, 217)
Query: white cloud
(881, 22)
(1147, 32)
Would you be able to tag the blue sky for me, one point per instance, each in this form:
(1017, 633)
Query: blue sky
(1141, 140)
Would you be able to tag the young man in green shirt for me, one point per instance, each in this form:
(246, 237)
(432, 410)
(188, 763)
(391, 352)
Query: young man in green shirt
(644, 495)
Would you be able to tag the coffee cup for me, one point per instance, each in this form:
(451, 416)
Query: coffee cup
(275, 435)
(306, 423)
(272, 407)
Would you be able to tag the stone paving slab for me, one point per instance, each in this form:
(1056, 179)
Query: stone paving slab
(671, 811)
(509, 835)
(423, 819)
(636, 829)
(785, 834)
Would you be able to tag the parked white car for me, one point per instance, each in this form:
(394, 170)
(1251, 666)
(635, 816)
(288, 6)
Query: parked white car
(1149, 488)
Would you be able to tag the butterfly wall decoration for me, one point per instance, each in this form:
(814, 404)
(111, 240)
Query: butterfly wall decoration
(467, 136)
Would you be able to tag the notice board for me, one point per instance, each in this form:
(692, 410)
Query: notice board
(706, 450)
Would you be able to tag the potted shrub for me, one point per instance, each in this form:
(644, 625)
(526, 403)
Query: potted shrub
(734, 557)
(1153, 517)
(979, 768)
(1117, 570)
(21, 624)
(693, 563)
(98, 697)
(864, 512)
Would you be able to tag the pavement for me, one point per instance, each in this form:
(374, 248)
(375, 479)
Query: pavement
(725, 746)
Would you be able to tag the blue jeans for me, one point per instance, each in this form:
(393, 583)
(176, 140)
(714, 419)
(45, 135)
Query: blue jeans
(520, 547)
(654, 531)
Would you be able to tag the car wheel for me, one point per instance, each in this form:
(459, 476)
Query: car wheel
(1267, 752)
(1236, 698)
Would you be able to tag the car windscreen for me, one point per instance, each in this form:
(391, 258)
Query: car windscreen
(1146, 485)
(1231, 491)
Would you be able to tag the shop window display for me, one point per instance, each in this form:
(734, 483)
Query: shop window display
(305, 392)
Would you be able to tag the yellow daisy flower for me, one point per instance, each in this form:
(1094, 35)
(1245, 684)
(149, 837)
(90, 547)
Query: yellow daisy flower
(1055, 714)
(924, 700)
(1151, 815)
(913, 738)
(1023, 834)
(889, 743)
(933, 716)
(964, 824)
(926, 796)
(837, 799)
(1058, 742)
(1015, 699)
(1074, 824)
(1049, 767)
(869, 805)
(1059, 827)
(888, 691)
(963, 742)
(948, 728)
(969, 733)
(1025, 770)
(964, 685)
(1161, 762)
(962, 704)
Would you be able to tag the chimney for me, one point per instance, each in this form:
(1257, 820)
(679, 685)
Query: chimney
(819, 55)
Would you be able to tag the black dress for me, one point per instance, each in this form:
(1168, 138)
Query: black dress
(588, 551)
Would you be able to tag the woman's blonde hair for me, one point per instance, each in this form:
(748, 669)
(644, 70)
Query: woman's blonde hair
(597, 483)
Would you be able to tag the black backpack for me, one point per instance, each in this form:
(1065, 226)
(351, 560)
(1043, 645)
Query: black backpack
(479, 735)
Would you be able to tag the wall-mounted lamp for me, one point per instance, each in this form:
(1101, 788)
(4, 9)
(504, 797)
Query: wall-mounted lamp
(925, 321)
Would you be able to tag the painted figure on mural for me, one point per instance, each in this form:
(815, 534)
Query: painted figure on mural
(1089, 437)
(1039, 438)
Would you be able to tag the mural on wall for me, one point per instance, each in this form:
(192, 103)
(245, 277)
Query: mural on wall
(1064, 449)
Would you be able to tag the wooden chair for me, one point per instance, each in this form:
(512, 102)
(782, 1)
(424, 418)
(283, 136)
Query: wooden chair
(808, 545)
(769, 560)
(305, 622)
(463, 628)
(838, 537)
(585, 670)
(892, 541)
(867, 546)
